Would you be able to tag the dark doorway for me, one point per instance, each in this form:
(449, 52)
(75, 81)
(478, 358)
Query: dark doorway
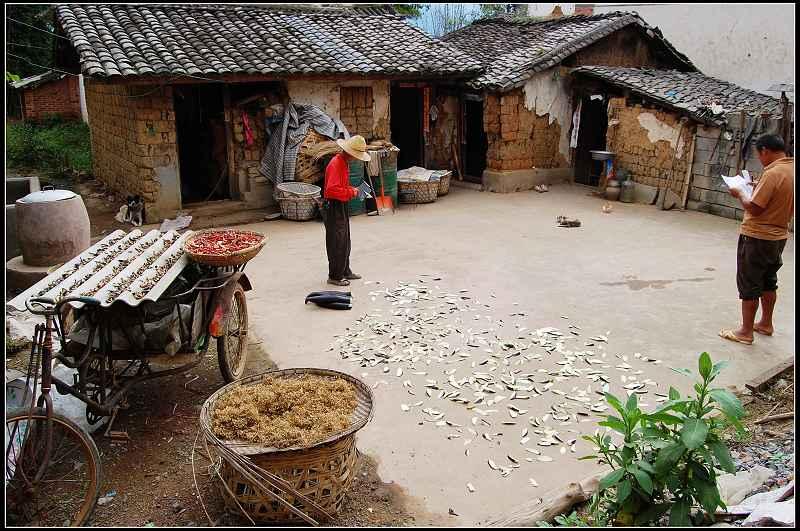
(591, 136)
(406, 111)
(202, 152)
(476, 142)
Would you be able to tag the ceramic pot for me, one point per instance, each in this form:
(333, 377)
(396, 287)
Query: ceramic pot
(52, 227)
(612, 190)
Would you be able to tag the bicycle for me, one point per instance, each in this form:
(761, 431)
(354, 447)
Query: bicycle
(53, 468)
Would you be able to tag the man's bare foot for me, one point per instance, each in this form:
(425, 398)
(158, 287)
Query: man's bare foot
(764, 330)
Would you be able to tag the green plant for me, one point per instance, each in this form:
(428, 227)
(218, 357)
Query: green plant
(667, 461)
(573, 520)
(52, 145)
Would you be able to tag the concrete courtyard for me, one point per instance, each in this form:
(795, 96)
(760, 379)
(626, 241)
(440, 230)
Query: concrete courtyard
(657, 283)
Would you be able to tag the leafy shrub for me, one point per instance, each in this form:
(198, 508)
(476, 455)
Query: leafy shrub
(51, 145)
(668, 459)
(573, 520)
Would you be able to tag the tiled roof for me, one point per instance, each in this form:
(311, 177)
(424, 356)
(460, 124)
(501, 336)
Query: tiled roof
(691, 92)
(208, 40)
(39, 79)
(512, 49)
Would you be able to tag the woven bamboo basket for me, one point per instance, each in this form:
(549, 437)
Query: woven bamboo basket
(307, 169)
(413, 192)
(298, 201)
(234, 259)
(322, 472)
(444, 185)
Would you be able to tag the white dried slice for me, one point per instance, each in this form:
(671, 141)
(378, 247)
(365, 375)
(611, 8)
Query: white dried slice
(563, 450)
(399, 372)
(524, 441)
(493, 465)
(533, 482)
(470, 487)
(405, 407)
(544, 459)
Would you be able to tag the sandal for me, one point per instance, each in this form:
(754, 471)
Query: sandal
(338, 282)
(352, 276)
(731, 336)
(761, 331)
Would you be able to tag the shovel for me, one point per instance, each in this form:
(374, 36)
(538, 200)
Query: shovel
(384, 203)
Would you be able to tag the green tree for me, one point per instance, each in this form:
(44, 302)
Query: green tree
(410, 10)
(25, 44)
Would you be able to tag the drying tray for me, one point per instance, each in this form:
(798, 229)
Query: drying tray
(92, 273)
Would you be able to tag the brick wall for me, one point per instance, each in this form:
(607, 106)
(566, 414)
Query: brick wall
(61, 97)
(355, 110)
(649, 162)
(134, 146)
(518, 138)
(626, 47)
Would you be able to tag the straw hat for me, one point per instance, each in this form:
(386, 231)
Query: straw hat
(355, 146)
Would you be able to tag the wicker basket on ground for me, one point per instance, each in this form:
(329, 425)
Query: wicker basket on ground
(298, 201)
(413, 192)
(307, 169)
(321, 473)
(233, 259)
(444, 185)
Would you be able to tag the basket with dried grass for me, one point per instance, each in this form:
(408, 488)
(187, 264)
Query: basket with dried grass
(307, 169)
(413, 192)
(285, 442)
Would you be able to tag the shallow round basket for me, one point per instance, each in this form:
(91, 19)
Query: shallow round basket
(413, 192)
(236, 258)
(297, 189)
(322, 472)
(444, 185)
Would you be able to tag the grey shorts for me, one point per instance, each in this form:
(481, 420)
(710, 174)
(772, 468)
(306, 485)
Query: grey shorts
(757, 265)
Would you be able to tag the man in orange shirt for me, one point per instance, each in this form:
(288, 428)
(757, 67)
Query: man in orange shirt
(337, 220)
(764, 232)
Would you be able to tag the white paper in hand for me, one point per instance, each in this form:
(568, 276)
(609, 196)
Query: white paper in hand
(737, 181)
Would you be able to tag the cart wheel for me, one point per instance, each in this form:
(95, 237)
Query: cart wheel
(67, 492)
(232, 345)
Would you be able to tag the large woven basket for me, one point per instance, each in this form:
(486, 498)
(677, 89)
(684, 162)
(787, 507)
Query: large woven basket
(444, 185)
(411, 192)
(234, 259)
(322, 472)
(298, 201)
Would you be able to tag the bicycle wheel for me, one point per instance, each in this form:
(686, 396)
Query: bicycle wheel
(232, 346)
(67, 492)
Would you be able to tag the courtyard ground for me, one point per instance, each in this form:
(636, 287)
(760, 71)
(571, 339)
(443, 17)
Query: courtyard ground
(657, 283)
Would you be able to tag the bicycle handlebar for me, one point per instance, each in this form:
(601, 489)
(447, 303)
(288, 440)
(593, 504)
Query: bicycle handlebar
(49, 306)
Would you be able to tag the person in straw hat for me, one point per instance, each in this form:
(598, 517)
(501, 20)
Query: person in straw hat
(337, 221)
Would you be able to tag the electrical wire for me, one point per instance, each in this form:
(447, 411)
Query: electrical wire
(28, 45)
(41, 66)
(37, 29)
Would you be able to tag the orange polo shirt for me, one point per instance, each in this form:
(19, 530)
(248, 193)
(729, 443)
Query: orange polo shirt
(774, 193)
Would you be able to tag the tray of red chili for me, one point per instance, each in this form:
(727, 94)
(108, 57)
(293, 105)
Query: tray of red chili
(223, 247)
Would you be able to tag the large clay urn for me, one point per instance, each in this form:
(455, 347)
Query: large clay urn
(52, 227)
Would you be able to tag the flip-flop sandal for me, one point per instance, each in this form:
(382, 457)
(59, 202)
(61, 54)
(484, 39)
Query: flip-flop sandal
(760, 331)
(730, 336)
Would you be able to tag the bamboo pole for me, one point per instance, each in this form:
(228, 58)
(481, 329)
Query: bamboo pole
(688, 181)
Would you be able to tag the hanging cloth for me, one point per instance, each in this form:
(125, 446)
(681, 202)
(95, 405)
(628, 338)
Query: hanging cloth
(248, 133)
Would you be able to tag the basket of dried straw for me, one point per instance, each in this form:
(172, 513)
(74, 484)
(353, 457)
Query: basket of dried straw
(285, 442)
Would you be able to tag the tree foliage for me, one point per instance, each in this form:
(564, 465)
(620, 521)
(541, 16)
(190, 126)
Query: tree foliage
(32, 45)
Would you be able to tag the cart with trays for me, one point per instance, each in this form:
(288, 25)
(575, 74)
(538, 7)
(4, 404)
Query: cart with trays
(157, 316)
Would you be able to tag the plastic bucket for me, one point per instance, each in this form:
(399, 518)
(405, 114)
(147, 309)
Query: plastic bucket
(356, 206)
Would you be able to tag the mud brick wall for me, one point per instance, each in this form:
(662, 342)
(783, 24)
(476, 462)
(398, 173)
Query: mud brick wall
(633, 134)
(134, 145)
(57, 98)
(518, 138)
(443, 134)
(355, 110)
(626, 47)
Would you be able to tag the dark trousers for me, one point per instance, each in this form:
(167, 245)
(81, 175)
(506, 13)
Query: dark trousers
(757, 265)
(337, 238)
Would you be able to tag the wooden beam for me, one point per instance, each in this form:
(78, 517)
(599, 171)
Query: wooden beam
(554, 503)
(233, 184)
(762, 381)
(688, 180)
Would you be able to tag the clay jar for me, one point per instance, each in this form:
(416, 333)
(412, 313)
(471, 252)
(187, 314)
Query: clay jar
(52, 227)
(612, 190)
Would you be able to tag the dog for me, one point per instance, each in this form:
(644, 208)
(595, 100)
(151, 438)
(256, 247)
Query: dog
(135, 211)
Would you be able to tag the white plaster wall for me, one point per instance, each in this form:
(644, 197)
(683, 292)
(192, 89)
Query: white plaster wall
(751, 45)
(325, 95)
(550, 95)
(658, 130)
(542, 10)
